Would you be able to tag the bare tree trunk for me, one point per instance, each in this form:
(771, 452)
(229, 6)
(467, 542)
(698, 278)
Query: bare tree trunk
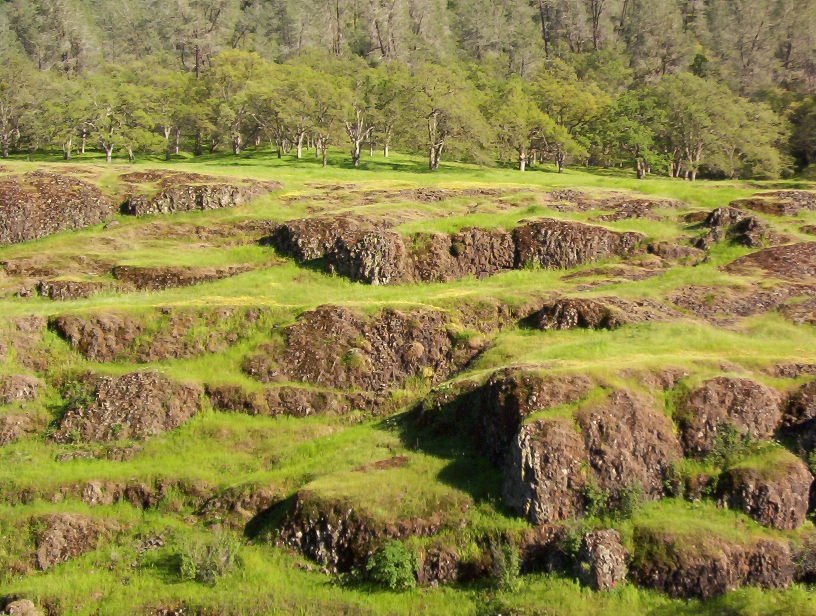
(300, 145)
(108, 154)
(522, 159)
(67, 148)
(177, 147)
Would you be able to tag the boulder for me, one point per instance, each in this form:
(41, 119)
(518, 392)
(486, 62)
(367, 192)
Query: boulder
(546, 476)
(439, 566)
(677, 253)
(135, 406)
(38, 204)
(629, 444)
(750, 407)
(573, 313)
(736, 226)
(559, 244)
(64, 536)
(602, 560)
(776, 496)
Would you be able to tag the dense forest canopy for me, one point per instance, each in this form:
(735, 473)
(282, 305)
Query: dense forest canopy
(725, 88)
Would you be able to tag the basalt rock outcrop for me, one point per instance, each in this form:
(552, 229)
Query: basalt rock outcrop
(66, 290)
(64, 536)
(795, 262)
(753, 409)
(546, 476)
(736, 226)
(293, 401)
(602, 560)
(18, 388)
(369, 252)
(799, 419)
(775, 496)
(38, 204)
(704, 565)
(576, 313)
(196, 197)
(133, 406)
(780, 203)
(162, 278)
(163, 334)
(337, 347)
(559, 244)
(14, 427)
(628, 444)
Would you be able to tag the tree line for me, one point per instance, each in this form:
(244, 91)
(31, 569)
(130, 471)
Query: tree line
(682, 87)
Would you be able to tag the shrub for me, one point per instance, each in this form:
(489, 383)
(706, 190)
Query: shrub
(393, 566)
(630, 499)
(505, 564)
(207, 560)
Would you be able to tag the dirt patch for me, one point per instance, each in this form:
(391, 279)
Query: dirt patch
(336, 347)
(629, 444)
(162, 278)
(64, 536)
(750, 407)
(705, 565)
(795, 262)
(38, 204)
(136, 405)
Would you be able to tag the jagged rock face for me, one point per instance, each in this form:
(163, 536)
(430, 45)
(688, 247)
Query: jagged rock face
(795, 262)
(576, 313)
(735, 225)
(336, 347)
(603, 560)
(629, 443)
(777, 498)
(750, 407)
(309, 239)
(511, 395)
(376, 257)
(136, 405)
(333, 534)
(162, 278)
(66, 536)
(18, 388)
(558, 244)
(38, 204)
(476, 252)
(64, 290)
(799, 420)
(439, 566)
(293, 401)
(706, 566)
(14, 427)
(546, 476)
(196, 198)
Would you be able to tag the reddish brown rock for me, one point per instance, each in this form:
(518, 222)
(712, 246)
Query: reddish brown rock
(571, 313)
(705, 566)
(38, 204)
(558, 244)
(750, 407)
(780, 202)
(294, 401)
(736, 226)
(629, 444)
(439, 566)
(162, 278)
(546, 476)
(801, 313)
(777, 496)
(17, 388)
(65, 536)
(14, 427)
(795, 262)
(677, 253)
(64, 290)
(603, 560)
(799, 419)
(136, 405)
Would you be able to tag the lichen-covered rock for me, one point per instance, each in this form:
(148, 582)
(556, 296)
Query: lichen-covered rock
(38, 204)
(196, 197)
(336, 347)
(576, 313)
(777, 496)
(559, 244)
(64, 536)
(629, 444)
(546, 476)
(136, 405)
(602, 560)
(375, 257)
(511, 395)
(750, 407)
(704, 565)
(18, 388)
